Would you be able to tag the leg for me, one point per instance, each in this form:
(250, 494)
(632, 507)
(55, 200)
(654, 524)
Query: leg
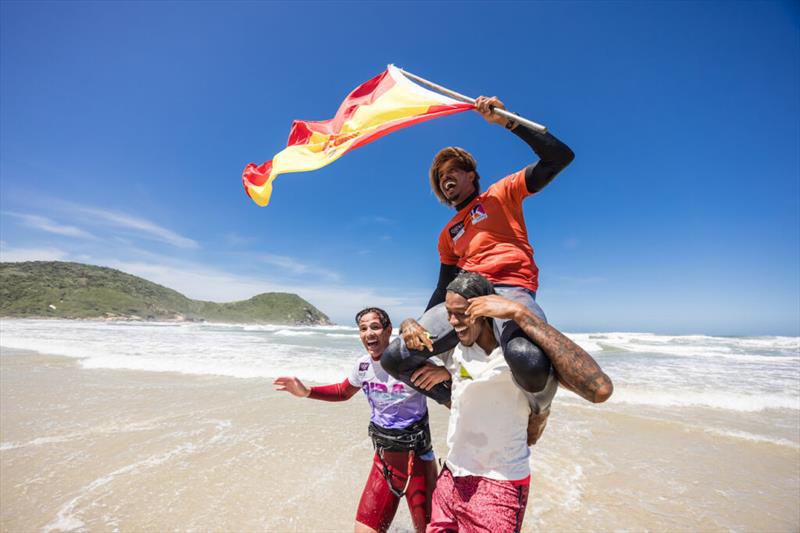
(443, 513)
(529, 365)
(419, 491)
(496, 506)
(363, 528)
(400, 362)
(378, 505)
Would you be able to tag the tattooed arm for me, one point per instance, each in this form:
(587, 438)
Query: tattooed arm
(576, 369)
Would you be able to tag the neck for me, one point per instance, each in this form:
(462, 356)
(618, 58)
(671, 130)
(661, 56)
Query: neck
(469, 198)
(486, 338)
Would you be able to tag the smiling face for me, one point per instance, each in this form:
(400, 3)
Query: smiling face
(467, 329)
(374, 336)
(456, 184)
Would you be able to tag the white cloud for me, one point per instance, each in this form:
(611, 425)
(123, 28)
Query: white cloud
(45, 224)
(139, 225)
(321, 287)
(337, 301)
(103, 219)
(294, 267)
(14, 255)
(234, 239)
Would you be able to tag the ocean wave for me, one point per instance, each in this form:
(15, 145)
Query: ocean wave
(715, 400)
(743, 435)
(745, 349)
(294, 333)
(635, 361)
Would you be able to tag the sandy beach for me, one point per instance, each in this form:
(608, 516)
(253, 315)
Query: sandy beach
(119, 450)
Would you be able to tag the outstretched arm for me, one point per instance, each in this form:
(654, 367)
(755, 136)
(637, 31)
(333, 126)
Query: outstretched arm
(575, 368)
(554, 155)
(335, 392)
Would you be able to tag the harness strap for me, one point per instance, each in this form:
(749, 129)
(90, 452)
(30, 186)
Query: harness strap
(387, 473)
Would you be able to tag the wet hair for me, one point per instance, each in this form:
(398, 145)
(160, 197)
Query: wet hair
(383, 316)
(471, 285)
(461, 159)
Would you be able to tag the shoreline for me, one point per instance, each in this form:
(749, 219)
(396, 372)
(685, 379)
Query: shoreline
(165, 320)
(142, 450)
(623, 331)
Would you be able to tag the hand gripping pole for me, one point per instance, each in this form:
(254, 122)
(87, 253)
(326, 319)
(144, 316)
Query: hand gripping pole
(458, 96)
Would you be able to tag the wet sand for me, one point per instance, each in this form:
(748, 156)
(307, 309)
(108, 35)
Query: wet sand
(111, 450)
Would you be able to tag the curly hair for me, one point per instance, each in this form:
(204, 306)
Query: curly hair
(383, 316)
(471, 285)
(461, 159)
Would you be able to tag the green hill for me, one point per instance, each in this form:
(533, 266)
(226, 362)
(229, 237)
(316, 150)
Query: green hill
(72, 290)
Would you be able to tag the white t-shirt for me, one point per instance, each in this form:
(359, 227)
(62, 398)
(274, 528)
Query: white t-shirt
(488, 429)
(394, 404)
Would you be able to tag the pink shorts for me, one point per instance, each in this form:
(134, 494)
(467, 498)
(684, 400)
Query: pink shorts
(478, 504)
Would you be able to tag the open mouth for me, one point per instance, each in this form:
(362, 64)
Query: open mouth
(372, 344)
(448, 185)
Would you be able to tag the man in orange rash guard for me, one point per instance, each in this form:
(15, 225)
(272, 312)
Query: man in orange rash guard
(403, 464)
(487, 236)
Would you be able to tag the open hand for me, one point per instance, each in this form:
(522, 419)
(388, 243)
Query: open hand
(292, 385)
(415, 336)
(429, 375)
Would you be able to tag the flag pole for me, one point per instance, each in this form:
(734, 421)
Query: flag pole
(458, 96)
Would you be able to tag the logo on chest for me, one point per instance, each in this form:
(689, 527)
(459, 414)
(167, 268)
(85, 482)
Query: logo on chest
(363, 367)
(477, 213)
(456, 231)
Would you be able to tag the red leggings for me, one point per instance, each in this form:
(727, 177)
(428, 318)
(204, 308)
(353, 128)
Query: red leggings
(378, 505)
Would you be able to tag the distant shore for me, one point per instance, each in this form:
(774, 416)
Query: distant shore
(176, 320)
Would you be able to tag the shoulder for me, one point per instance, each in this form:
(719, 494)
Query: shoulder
(361, 367)
(512, 181)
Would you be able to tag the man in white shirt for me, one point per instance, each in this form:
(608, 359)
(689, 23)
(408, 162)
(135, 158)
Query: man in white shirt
(484, 485)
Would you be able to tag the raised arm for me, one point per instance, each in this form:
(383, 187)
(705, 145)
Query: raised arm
(554, 155)
(574, 366)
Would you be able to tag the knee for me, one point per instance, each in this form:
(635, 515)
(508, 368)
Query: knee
(528, 363)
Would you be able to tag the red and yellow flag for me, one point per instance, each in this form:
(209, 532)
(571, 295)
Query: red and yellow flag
(385, 103)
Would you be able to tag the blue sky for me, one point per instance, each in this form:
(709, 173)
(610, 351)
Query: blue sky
(124, 128)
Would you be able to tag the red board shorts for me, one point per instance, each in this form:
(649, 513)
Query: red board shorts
(473, 504)
(378, 505)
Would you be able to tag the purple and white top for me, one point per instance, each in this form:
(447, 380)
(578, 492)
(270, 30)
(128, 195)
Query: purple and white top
(394, 404)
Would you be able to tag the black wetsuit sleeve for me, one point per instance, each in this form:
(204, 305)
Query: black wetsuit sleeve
(447, 273)
(553, 154)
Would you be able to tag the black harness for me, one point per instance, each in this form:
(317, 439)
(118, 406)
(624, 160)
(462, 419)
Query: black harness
(414, 440)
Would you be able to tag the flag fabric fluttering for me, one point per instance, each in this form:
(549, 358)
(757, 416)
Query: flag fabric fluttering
(387, 102)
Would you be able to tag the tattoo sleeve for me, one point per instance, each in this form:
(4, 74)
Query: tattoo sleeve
(573, 364)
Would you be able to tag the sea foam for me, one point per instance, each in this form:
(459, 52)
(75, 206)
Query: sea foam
(740, 374)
